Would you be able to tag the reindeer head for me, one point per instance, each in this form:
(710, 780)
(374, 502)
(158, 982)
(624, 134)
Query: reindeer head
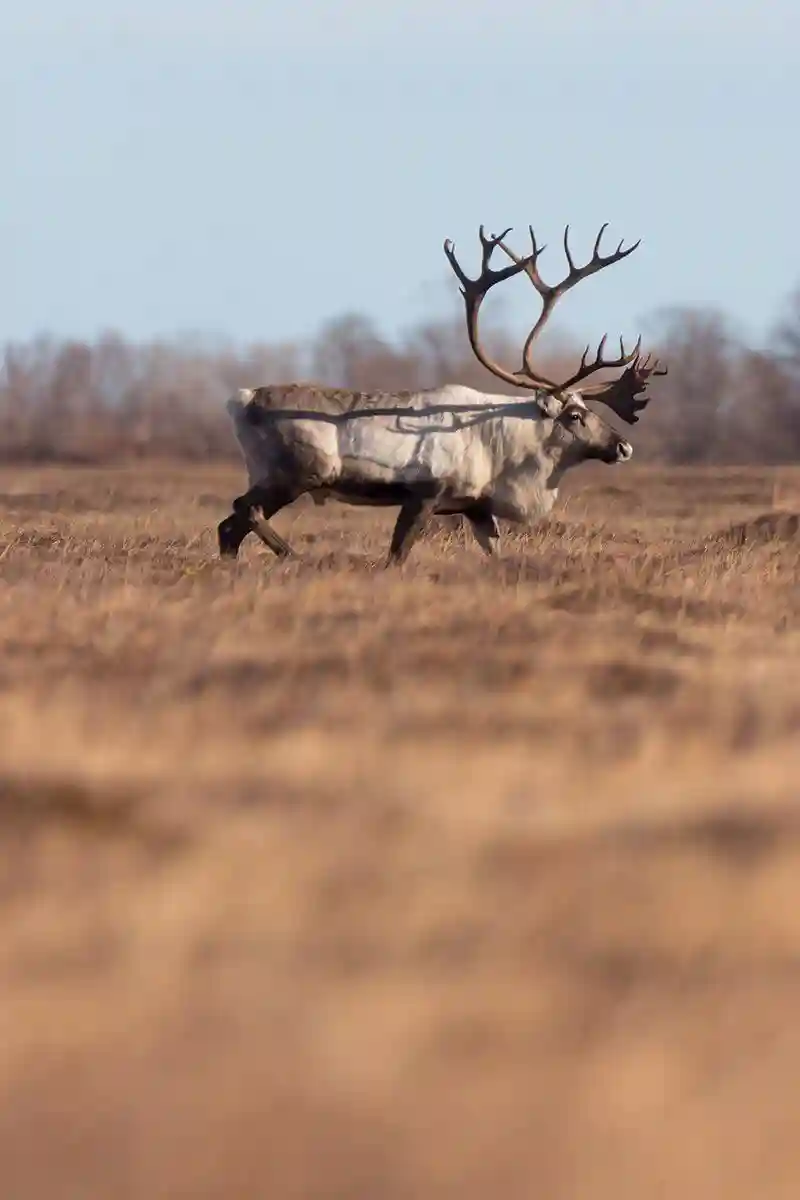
(592, 437)
(580, 433)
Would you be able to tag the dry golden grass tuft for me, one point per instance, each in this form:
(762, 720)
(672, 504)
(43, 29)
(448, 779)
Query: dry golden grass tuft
(472, 879)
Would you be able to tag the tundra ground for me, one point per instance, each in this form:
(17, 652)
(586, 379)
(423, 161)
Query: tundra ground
(468, 879)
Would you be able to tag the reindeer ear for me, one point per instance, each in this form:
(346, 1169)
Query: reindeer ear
(551, 405)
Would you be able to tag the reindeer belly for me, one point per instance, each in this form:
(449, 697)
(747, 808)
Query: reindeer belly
(373, 493)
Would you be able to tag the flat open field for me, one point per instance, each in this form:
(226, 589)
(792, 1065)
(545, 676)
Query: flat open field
(471, 879)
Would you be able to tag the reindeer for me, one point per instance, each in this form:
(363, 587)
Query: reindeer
(447, 450)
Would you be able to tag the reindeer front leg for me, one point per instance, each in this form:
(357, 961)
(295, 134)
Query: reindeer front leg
(486, 533)
(484, 526)
(411, 521)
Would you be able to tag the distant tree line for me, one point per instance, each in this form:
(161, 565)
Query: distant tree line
(723, 401)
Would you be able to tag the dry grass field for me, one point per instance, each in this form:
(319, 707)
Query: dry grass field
(466, 880)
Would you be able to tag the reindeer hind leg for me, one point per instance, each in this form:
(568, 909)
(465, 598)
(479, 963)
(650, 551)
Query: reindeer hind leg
(243, 520)
(231, 533)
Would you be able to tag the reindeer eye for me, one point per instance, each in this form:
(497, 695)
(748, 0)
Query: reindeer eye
(575, 414)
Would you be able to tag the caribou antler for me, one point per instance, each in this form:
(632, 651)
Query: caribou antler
(551, 295)
(619, 394)
(474, 292)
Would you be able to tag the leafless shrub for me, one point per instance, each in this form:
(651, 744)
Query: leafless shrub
(722, 402)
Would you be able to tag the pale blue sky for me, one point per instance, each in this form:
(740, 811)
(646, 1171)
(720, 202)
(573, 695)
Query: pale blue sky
(253, 167)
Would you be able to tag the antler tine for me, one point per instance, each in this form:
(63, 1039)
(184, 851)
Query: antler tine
(644, 365)
(567, 250)
(450, 251)
(489, 245)
(598, 240)
(537, 250)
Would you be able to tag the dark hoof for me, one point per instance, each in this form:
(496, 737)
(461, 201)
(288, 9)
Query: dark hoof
(229, 537)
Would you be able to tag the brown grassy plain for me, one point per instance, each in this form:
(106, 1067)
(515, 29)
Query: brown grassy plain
(473, 879)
